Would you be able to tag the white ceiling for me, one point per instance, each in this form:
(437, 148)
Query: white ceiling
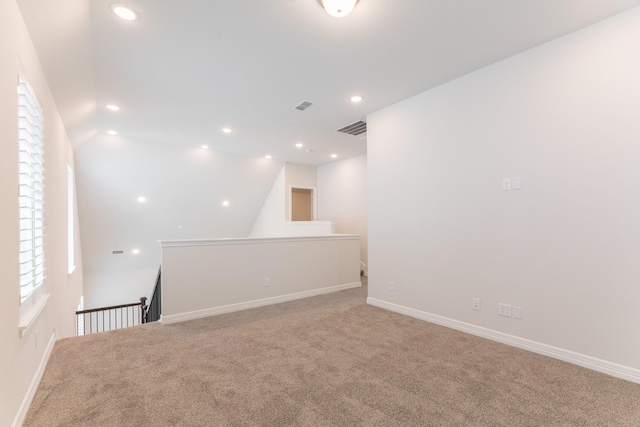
(186, 69)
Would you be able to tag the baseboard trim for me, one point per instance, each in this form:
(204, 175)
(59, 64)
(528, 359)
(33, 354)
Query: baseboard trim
(33, 387)
(213, 311)
(606, 367)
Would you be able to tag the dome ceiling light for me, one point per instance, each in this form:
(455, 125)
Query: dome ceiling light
(338, 8)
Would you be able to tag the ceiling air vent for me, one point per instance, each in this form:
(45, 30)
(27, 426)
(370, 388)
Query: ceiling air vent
(303, 105)
(117, 252)
(356, 128)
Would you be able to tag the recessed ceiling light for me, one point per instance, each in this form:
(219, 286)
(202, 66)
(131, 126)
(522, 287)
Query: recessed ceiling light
(226, 130)
(135, 251)
(333, 156)
(112, 107)
(142, 199)
(204, 147)
(112, 132)
(356, 98)
(299, 145)
(225, 203)
(338, 8)
(268, 156)
(124, 12)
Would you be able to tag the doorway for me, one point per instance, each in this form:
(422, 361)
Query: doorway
(301, 204)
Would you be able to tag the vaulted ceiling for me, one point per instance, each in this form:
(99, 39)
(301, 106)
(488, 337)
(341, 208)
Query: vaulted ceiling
(186, 69)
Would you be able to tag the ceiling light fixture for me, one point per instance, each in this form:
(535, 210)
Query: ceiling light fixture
(268, 156)
(124, 12)
(338, 8)
(226, 130)
(299, 145)
(142, 199)
(225, 203)
(112, 107)
(356, 98)
(135, 251)
(112, 132)
(204, 147)
(334, 156)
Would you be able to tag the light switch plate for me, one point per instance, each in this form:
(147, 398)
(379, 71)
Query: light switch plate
(517, 312)
(516, 183)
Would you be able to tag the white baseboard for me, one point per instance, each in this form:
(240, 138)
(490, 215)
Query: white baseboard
(191, 315)
(33, 387)
(606, 367)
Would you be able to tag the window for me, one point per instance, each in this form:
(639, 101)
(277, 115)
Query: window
(70, 236)
(31, 200)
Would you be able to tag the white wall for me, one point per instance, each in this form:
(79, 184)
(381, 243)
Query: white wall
(22, 359)
(118, 287)
(184, 188)
(271, 222)
(562, 116)
(271, 214)
(205, 277)
(342, 198)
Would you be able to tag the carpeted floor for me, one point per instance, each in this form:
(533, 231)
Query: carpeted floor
(323, 361)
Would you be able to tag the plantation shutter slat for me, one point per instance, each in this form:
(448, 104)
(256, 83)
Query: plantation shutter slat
(31, 190)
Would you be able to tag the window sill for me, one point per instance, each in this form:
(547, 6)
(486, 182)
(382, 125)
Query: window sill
(29, 318)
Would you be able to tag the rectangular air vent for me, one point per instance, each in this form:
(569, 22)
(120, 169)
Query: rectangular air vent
(117, 252)
(356, 128)
(303, 105)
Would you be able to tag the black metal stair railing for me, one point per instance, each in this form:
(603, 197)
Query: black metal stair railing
(154, 311)
(111, 318)
(121, 316)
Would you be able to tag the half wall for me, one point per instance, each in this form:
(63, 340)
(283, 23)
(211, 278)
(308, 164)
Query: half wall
(202, 278)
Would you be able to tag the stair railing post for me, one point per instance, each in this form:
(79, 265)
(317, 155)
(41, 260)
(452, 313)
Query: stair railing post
(143, 309)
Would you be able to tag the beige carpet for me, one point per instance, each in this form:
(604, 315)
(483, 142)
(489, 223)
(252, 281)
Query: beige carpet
(324, 361)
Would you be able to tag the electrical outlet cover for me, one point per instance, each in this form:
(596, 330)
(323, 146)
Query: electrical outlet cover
(504, 310)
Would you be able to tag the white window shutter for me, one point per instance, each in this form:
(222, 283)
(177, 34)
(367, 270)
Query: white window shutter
(31, 195)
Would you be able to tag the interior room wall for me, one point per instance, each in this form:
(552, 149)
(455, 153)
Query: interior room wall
(184, 189)
(105, 289)
(563, 118)
(342, 198)
(274, 219)
(271, 216)
(22, 359)
(250, 272)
